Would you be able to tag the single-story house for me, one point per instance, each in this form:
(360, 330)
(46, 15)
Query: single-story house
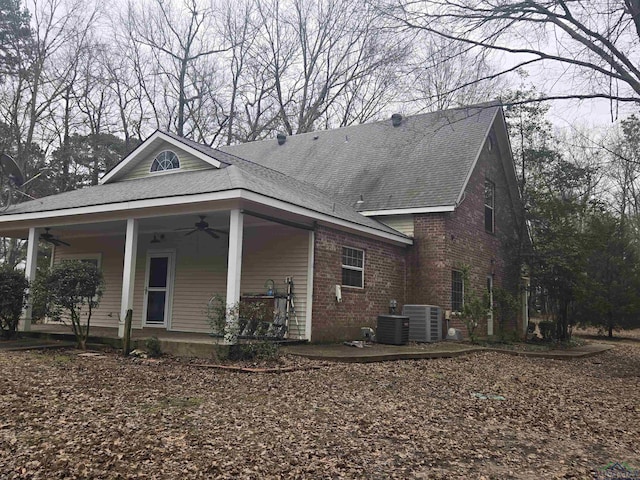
(348, 219)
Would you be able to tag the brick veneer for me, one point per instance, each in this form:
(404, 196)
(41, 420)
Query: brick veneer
(421, 273)
(384, 279)
(447, 241)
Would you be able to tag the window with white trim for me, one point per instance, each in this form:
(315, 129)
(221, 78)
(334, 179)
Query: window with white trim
(457, 290)
(489, 205)
(165, 160)
(94, 258)
(352, 267)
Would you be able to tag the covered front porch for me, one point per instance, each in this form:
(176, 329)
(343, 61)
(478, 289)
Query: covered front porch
(167, 266)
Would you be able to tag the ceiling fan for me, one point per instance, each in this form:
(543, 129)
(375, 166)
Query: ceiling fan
(49, 238)
(201, 226)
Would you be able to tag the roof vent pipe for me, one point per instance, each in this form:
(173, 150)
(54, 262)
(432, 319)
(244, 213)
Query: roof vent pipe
(281, 138)
(396, 119)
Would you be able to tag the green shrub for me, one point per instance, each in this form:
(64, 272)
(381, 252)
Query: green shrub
(13, 288)
(251, 318)
(153, 347)
(260, 350)
(505, 306)
(475, 308)
(547, 329)
(69, 292)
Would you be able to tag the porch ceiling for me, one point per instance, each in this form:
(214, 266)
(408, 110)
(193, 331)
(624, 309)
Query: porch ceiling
(218, 220)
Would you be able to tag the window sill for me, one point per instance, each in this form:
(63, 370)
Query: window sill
(351, 288)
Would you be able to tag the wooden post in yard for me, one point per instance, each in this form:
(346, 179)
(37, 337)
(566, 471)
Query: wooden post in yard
(126, 339)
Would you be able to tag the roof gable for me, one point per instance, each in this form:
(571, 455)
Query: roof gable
(422, 164)
(138, 163)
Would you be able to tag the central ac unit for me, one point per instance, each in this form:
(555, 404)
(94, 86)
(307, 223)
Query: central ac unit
(425, 322)
(392, 329)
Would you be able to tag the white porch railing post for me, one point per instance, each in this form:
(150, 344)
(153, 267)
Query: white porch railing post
(30, 272)
(129, 272)
(234, 269)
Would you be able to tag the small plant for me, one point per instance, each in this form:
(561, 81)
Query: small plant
(259, 350)
(243, 318)
(505, 309)
(69, 292)
(531, 328)
(13, 288)
(217, 315)
(224, 320)
(153, 347)
(474, 309)
(547, 330)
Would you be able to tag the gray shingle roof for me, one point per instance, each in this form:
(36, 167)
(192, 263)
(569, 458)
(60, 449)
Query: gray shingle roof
(240, 174)
(424, 162)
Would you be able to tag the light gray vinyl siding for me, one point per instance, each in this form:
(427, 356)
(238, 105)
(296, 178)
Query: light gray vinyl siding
(200, 271)
(276, 252)
(401, 223)
(269, 252)
(111, 249)
(143, 165)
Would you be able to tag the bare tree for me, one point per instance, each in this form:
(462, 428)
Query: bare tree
(442, 74)
(178, 41)
(340, 42)
(596, 45)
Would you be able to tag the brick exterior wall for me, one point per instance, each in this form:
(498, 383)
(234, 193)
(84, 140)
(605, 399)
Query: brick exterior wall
(447, 241)
(421, 273)
(384, 279)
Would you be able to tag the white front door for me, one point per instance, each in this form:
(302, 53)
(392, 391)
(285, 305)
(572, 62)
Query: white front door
(158, 291)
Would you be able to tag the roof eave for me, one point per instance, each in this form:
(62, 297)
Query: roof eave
(409, 211)
(233, 194)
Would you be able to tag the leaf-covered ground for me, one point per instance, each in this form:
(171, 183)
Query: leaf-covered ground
(64, 416)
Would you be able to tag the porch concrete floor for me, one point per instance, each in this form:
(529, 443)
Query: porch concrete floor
(179, 344)
(136, 333)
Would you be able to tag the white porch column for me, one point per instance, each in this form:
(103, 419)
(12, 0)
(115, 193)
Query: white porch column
(129, 272)
(30, 272)
(234, 269)
(310, 271)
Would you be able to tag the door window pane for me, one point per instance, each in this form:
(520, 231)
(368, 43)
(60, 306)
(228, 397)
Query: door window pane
(155, 307)
(158, 272)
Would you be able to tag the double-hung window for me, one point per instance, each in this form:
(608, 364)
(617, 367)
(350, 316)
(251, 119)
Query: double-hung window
(489, 205)
(352, 267)
(457, 291)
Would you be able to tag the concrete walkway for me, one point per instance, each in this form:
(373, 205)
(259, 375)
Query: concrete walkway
(205, 346)
(382, 353)
(33, 344)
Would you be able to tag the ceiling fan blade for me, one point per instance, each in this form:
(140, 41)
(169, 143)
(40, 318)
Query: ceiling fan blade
(62, 242)
(189, 233)
(211, 232)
